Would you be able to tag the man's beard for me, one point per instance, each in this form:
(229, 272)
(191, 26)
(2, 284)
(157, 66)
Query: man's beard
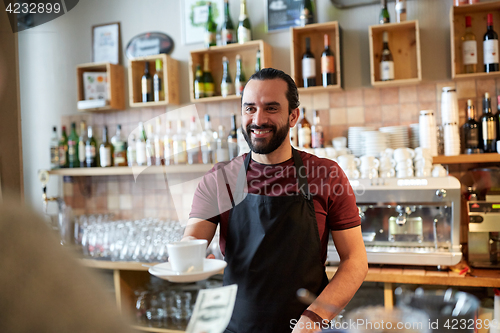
(260, 146)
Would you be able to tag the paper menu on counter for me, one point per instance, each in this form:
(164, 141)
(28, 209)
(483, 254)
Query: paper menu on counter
(213, 310)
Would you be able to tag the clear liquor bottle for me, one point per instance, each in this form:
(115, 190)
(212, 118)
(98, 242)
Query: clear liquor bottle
(179, 144)
(193, 142)
(207, 142)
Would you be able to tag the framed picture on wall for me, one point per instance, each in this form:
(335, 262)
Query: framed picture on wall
(282, 14)
(106, 43)
(194, 18)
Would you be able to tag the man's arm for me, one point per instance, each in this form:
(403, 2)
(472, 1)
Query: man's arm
(199, 229)
(349, 276)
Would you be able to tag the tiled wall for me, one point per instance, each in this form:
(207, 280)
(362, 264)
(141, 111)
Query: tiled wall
(149, 196)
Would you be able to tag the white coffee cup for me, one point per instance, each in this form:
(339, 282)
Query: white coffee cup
(187, 256)
(339, 142)
(369, 162)
(404, 164)
(439, 171)
(331, 152)
(320, 152)
(423, 172)
(369, 174)
(423, 163)
(348, 161)
(386, 162)
(403, 173)
(387, 173)
(403, 154)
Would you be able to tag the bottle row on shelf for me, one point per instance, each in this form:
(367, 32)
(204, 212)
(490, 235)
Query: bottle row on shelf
(148, 147)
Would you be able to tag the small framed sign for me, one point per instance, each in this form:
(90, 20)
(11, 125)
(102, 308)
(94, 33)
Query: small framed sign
(282, 14)
(106, 43)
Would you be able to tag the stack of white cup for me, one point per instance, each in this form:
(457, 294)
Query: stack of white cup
(404, 162)
(422, 162)
(349, 164)
(449, 120)
(369, 167)
(340, 145)
(387, 164)
(428, 131)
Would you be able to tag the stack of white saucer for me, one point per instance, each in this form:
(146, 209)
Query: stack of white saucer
(414, 136)
(375, 143)
(355, 139)
(450, 120)
(427, 131)
(398, 136)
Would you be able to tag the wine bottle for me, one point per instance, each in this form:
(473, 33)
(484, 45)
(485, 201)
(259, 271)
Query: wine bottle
(150, 146)
(226, 86)
(199, 86)
(239, 80)
(227, 31)
(384, 13)
(469, 48)
(168, 144)
(140, 146)
(306, 12)
(210, 28)
(258, 66)
(193, 143)
(81, 144)
(207, 142)
(119, 148)
(308, 66)
(91, 149)
(159, 143)
(54, 149)
(105, 150)
(328, 64)
(63, 149)
(490, 48)
(232, 138)
(386, 61)
(317, 134)
(208, 80)
(400, 10)
(131, 152)
(73, 161)
(179, 144)
(497, 117)
(244, 26)
(488, 126)
(471, 131)
(147, 84)
(159, 94)
(304, 130)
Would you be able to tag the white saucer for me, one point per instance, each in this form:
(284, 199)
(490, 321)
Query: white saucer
(210, 267)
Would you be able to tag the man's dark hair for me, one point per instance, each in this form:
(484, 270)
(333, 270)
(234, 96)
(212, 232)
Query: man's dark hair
(292, 94)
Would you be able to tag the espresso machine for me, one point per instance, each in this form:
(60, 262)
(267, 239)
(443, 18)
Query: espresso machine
(414, 221)
(483, 238)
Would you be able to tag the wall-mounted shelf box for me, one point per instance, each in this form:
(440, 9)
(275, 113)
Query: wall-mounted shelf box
(316, 34)
(170, 82)
(248, 53)
(404, 43)
(478, 13)
(116, 85)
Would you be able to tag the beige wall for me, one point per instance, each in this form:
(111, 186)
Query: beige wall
(48, 55)
(11, 176)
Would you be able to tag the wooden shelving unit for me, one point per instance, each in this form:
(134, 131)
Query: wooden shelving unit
(116, 84)
(119, 171)
(248, 53)
(468, 159)
(316, 34)
(170, 84)
(404, 43)
(478, 13)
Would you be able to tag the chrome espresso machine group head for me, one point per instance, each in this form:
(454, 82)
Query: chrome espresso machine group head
(414, 221)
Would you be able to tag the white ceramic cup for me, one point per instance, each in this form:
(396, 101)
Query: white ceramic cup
(423, 172)
(339, 142)
(351, 173)
(187, 255)
(331, 152)
(386, 162)
(423, 163)
(348, 161)
(369, 174)
(403, 173)
(404, 164)
(403, 154)
(439, 171)
(387, 173)
(369, 162)
(320, 152)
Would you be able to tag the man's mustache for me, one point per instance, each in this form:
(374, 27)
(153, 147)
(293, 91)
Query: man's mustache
(263, 127)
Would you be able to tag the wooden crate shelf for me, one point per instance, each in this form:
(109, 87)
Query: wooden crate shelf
(478, 13)
(316, 34)
(170, 84)
(404, 43)
(116, 84)
(468, 159)
(248, 53)
(120, 171)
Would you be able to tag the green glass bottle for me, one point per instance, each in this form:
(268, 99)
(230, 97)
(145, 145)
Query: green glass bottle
(63, 149)
(210, 28)
(240, 80)
(199, 87)
(244, 26)
(258, 66)
(227, 30)
(306, 12)
(384, 13)
(226, 86)
(91, 149)
(208, 80)
(73, 161)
